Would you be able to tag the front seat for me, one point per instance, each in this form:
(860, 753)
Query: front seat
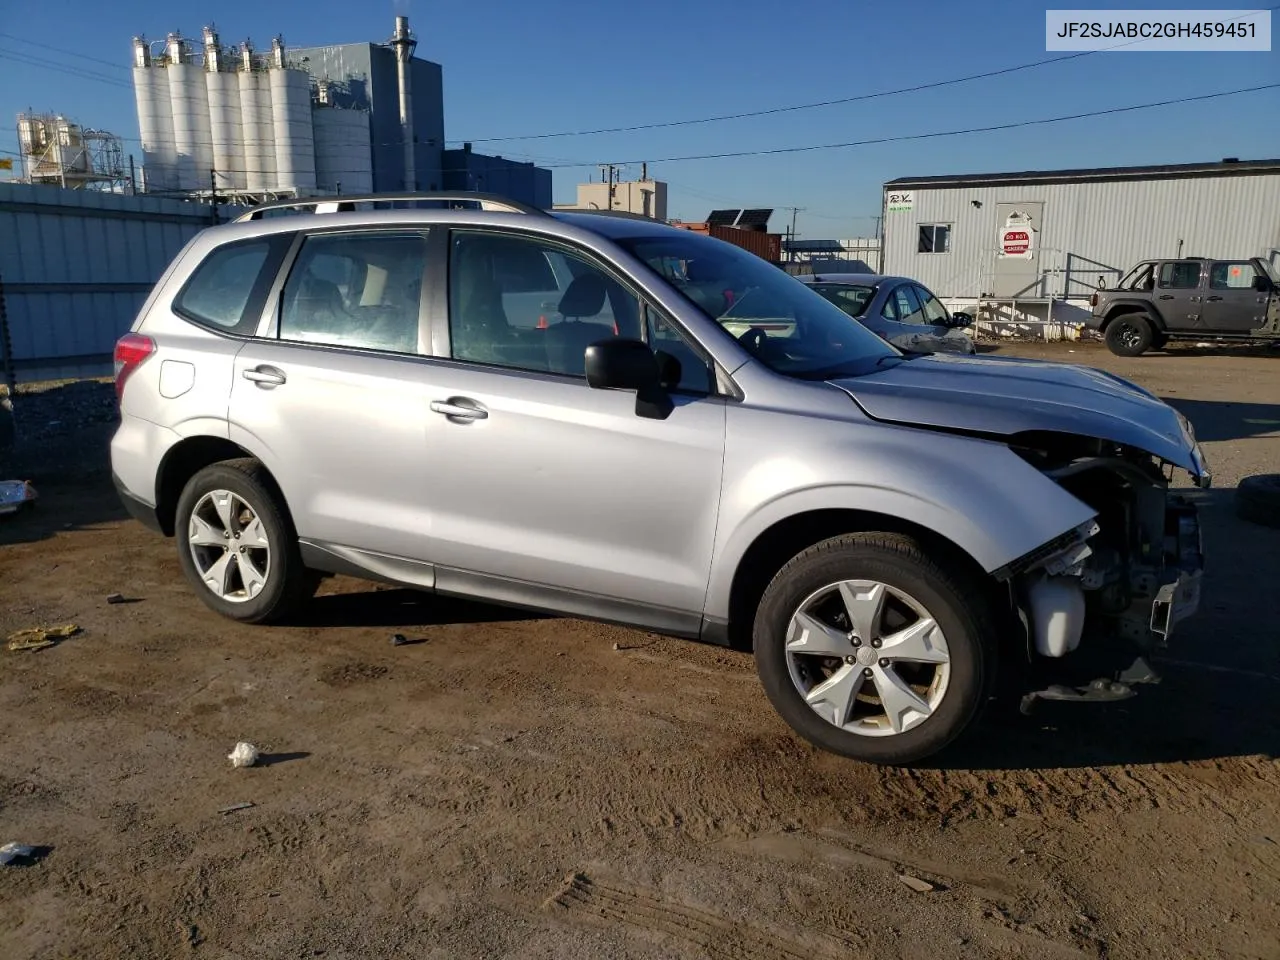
(478, 325)
(568, 340)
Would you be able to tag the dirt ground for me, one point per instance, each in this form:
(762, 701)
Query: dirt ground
(512, 786)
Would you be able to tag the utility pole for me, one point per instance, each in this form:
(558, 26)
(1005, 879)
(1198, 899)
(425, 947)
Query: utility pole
(792, 234)
(213, 196)
(880, 238)
(608, 173)
(133, 182)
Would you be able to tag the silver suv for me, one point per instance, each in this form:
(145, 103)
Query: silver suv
(606, 417)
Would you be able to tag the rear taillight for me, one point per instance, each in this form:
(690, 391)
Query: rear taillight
(1093, 299)
(131, 350)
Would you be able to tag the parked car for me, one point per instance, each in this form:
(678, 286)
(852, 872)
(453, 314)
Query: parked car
(345, 393)
(900, 310)
(1188, 299)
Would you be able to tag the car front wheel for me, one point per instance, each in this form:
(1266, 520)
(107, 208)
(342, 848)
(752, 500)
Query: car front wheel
(868, 648)
(237, 546)
(1129, 335)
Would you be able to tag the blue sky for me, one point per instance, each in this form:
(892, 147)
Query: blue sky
(512, 67)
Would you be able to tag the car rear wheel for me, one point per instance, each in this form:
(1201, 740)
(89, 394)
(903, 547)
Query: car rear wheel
(237, 546)
(868, 648)
(1129, 335)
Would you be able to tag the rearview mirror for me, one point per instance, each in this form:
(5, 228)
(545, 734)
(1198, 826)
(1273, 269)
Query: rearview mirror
(1262, 284)
(962, 319)
(624, 364)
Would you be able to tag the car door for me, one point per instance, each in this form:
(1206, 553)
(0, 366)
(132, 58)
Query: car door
(545, 491)
(331, 394)
(1178, 294)
(1231, 304)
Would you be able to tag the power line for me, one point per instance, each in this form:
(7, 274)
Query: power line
(1004, 71)
(948, 133)
(71, 53)
(23, 58)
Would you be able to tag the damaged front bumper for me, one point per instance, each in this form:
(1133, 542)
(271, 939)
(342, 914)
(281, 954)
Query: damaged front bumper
(1162, 599)
(1178, 599)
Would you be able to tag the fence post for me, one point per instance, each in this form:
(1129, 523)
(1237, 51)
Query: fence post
(6, 344)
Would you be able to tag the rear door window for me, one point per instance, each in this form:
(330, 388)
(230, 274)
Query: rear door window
(361, 290)
(908, 307)
(1232, 276)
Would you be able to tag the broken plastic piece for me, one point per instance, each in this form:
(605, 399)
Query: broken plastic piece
(15, 494)
(115, 598)
(916, 884)
(399, 640)
(37, 638)
(12, 853)
(237, 806)
(244, 755)
(1101, 690)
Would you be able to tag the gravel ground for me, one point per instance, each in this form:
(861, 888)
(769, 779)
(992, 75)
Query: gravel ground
(515, 786)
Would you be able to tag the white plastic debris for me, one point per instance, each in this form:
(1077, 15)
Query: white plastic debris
(244, 755)
(15, 494)
(14, 852)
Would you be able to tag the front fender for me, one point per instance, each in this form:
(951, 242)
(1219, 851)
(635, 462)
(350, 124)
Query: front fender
(977, 494)
(1131, 306)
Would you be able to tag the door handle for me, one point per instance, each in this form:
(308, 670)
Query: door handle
(1166, 296)
(459, 408)
(265, 376)
(1213, 298)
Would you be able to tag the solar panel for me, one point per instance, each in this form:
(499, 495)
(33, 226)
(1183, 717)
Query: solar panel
(755, 218)
(723, 218)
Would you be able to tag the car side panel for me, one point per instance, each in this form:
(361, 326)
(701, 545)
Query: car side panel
(979, 495)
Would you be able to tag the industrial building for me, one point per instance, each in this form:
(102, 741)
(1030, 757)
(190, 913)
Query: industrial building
(59, 152)
(465, 169)
(1032, 246)
(644, 196)
(341, 119)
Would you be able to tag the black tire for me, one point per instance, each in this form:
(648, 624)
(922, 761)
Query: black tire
(955, 601)
(288, 584)
(1129, 335)
(1258, 499)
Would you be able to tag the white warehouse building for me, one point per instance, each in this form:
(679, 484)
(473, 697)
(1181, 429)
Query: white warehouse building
(1030, 247)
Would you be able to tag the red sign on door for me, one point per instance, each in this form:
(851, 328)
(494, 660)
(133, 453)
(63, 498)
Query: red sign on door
(1015, 243)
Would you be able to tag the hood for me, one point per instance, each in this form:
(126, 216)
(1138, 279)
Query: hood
(1004, 396)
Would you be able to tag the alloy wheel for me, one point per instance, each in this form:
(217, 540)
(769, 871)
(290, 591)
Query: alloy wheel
(867, 657)
(229, 546)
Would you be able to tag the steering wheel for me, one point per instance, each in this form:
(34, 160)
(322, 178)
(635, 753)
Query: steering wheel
(754, 339)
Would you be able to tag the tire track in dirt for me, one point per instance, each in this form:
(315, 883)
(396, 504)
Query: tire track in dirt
(582, 897)
(944, 795)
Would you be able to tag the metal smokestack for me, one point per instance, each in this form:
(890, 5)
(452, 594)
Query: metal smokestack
(404, 44)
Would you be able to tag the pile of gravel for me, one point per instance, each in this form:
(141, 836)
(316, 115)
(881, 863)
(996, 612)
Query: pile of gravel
(60, 429)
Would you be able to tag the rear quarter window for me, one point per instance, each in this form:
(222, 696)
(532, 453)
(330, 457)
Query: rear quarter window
(227, 290)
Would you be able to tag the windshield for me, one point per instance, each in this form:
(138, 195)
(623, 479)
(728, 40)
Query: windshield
(783, 322)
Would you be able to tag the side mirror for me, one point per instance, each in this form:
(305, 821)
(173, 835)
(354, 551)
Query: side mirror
(623, 364)
(962, 319)
(1262, 284)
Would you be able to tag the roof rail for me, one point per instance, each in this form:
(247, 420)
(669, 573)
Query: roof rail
(342, 203)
